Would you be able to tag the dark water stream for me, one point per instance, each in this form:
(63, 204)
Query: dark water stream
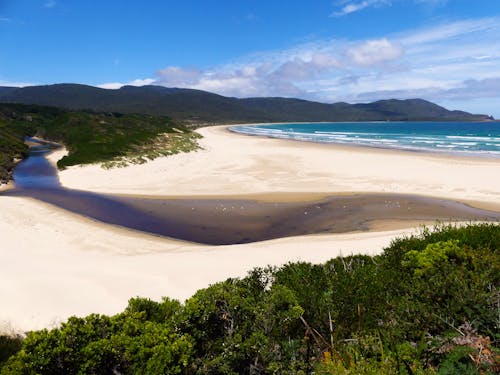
(219, 222)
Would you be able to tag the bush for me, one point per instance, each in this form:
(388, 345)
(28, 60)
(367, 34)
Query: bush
(428, 304)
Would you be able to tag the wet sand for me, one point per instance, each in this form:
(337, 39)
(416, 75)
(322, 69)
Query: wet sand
(234, 221)
(222, 221)
(237, 221)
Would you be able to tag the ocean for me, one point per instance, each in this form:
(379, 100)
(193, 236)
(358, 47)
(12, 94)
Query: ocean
(466, 138)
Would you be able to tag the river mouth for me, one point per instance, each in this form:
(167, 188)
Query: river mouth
(235, 221)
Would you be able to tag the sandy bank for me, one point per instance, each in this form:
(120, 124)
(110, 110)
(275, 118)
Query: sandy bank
(5, 187)
(56, 264)
(240, 165)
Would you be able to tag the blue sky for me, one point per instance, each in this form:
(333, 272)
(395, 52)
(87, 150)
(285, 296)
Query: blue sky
(446, 51)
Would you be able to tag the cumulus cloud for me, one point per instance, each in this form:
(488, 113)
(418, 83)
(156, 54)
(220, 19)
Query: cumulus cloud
(299, 68)
(272, 76)
(374, 52)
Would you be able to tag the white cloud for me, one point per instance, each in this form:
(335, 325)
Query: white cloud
(451, 30)
(135, 82)
(15, 84)
(111, 85)
(141, 82)
(374, 52)
(4, 19)
(346, 7)
(349, 7)
(270, 75)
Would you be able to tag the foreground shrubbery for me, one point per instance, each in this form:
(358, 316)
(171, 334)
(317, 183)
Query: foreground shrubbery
(110, 138)
(429, 304)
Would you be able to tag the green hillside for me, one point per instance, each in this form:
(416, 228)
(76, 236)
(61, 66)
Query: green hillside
(202, 107)
(90, 137)
(427, 305)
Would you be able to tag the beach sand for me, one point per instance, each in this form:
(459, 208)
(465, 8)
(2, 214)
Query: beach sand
(56, 264)
(239, 165)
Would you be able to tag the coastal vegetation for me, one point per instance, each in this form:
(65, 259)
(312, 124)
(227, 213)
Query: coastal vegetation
(13, 128)
(112, 139)
(429, 303)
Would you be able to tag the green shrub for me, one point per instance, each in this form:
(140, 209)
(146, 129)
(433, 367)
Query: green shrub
(428, 304)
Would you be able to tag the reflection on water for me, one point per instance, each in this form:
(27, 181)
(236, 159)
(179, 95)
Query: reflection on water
(220, 222)
(36, 172)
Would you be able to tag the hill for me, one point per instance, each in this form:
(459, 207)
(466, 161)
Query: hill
(200, 106)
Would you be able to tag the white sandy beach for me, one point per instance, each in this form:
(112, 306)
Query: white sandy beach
(235, 164)
(56, 264)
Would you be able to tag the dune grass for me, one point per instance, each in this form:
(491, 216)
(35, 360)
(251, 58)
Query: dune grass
(111, 139)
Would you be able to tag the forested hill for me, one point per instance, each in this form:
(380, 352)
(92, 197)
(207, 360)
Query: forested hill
(202, 106)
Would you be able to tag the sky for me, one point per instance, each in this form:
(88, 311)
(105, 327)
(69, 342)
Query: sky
(445, 51)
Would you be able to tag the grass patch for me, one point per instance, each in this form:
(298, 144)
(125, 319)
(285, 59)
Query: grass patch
(165, 144)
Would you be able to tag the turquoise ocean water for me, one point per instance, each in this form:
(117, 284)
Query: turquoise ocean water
(466, 138)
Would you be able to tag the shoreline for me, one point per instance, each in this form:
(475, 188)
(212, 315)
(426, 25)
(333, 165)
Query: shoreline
(429, 152)
(354, 146)
(237, 165)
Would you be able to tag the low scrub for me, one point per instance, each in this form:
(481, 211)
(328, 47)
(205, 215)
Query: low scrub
(428, 304)
(111, 139)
